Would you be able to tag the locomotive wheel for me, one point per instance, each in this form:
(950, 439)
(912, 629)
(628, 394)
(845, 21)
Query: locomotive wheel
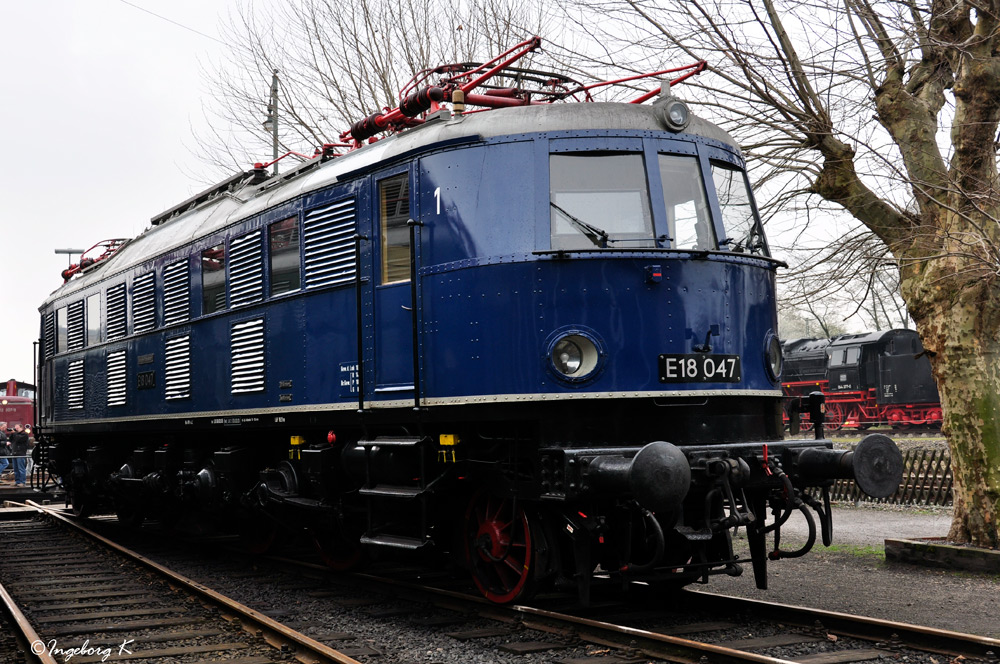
(81, 499)
(500, 548)
(258, 533)
(834, 417)
(129, 512)
(339, 553)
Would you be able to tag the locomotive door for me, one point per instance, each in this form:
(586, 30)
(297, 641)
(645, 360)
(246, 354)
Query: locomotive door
(391, 325)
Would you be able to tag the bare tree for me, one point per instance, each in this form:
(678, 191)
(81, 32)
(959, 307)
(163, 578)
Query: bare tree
(340, 62)
(809, 321)
(887, 110)
(856, 286)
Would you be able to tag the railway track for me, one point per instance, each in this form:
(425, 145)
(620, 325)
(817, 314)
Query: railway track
(72, 595)
(614, 631)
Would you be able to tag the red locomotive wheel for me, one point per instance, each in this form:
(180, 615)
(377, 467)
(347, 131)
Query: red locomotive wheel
(338, 552)
(834, 417)
(258, 536)
(500, 548)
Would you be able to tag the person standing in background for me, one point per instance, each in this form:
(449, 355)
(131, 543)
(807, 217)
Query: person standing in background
(4, 450)
(19, 446)
(31, 446)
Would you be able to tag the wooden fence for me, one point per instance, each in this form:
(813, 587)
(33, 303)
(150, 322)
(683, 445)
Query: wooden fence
(927, 480)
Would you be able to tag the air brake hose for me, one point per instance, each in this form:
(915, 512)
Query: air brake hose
(632, 568)
(778, 554)
(792, 502)
(825, 517)
(789, 503)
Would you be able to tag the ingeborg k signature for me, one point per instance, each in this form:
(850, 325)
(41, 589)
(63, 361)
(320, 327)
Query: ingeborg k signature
(40, 647)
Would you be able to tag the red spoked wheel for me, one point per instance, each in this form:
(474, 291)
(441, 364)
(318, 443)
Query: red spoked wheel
(834, 417)
(500, 548)
(339, 552)
(258, 535)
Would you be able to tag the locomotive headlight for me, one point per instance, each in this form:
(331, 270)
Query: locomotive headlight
(573, 355)
(567, 357)
(676, 115)
(772, 356)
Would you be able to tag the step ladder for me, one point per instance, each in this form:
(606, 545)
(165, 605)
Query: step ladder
(387, 500)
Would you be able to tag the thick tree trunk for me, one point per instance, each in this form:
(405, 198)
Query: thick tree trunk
(960, 328)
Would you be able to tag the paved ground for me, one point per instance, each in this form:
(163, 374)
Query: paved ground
(852, 575)
(871, 525)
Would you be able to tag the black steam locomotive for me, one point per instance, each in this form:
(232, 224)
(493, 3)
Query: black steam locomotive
(877, 378)
(539, 339)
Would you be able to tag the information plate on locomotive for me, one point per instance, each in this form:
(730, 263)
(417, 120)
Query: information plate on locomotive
(700, 368)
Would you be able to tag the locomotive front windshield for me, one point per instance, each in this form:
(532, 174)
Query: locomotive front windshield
(599, 201)
(602, 201)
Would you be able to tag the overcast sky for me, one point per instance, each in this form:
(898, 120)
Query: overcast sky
(97, 112)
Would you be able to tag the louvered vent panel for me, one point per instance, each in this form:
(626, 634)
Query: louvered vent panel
(116, 312)
(74, 327)
(177, 374)
(176, 293)
(74, 385)
(49, 325)
(117, 378)
(247, 349)
(329, 244)
(143, 300)
(246, 270)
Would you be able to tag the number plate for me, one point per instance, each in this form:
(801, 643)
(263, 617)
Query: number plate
(700, 369)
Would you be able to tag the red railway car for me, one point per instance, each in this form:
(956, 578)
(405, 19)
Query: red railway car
(876, 378)
(17, 404)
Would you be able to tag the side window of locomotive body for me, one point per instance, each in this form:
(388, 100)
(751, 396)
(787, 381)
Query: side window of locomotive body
(283, 240)
(599, 201)
(743, 235)
(688, 218)
(94, 319)
(213, 279)
(61, 330)
(394, 212)
(853, 355)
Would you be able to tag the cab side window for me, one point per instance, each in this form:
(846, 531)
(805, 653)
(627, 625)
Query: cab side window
(742, 231)
(394, 212)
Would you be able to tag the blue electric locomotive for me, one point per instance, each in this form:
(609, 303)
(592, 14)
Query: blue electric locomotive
(541, 339)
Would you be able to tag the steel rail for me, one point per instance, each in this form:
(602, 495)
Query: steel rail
(652, 644)
(930, 639)
(27, 632)
(675, 649)
(307, 650)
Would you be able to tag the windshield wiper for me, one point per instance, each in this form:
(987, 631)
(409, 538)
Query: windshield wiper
(598, 236)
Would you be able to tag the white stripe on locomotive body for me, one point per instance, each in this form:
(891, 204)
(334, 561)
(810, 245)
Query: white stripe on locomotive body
(430, 401)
